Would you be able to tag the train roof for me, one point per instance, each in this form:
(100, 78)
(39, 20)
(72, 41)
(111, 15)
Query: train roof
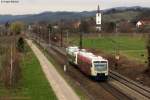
(91, 56)
(72, 49)
(75, 49)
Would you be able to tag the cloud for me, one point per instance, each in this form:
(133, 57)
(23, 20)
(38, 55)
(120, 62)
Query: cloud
(36, 6)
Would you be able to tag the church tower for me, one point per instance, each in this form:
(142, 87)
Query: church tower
(98, 19)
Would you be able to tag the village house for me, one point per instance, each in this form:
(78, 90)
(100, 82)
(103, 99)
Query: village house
(142, 23)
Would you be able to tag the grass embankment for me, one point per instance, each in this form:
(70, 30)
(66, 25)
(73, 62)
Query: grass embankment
(132, 47)
(33, 85)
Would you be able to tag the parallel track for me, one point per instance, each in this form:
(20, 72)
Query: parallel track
(143, 90)
(139, 88)
(101, 86)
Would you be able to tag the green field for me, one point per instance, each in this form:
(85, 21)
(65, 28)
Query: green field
(132, 47)
(33, 85)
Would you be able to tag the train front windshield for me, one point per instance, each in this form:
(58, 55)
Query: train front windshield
(100, 65)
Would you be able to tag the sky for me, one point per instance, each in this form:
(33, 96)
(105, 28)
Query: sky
(38, 6)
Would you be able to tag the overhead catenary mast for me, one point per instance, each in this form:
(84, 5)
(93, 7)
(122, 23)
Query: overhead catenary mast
(98, 19)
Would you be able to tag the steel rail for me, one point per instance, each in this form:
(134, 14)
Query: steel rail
(141, 89)
(144, 90)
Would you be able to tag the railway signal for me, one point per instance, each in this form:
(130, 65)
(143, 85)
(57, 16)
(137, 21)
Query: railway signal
(117, 58)
(65, 68)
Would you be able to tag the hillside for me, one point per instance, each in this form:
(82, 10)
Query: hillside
(126, 15)
(113, 14)
(46, 16)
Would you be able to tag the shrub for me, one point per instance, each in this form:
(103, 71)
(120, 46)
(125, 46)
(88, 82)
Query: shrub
(20, 44)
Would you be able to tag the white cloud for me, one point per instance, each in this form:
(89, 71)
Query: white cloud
(36, 6)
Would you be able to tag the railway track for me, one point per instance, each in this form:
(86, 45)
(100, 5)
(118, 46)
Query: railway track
(143, 92)
(94, 90)
(138, 90)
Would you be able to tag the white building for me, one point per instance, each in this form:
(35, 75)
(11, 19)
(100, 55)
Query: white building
(98, 19)
(139, 24)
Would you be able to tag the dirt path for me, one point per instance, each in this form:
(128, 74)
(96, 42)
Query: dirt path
(59, 85)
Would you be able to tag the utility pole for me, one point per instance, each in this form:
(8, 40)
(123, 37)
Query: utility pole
(11, 64)
(49, 38)
(12, 50)
(117, 55)
(81, 39)
(11, 53)
(83, 29)
(50, 31)
(39, 34)
(67, 37)
(61, 32)
(61, 38)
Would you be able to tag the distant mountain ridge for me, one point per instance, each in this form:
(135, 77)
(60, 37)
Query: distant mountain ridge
(56, 16)
(46, 16)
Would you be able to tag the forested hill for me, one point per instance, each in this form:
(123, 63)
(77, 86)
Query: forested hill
(108, 14)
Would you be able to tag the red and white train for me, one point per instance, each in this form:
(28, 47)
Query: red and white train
(88, 63)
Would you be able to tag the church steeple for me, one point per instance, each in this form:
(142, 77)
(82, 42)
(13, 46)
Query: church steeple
(98, 19)
(98, 9)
